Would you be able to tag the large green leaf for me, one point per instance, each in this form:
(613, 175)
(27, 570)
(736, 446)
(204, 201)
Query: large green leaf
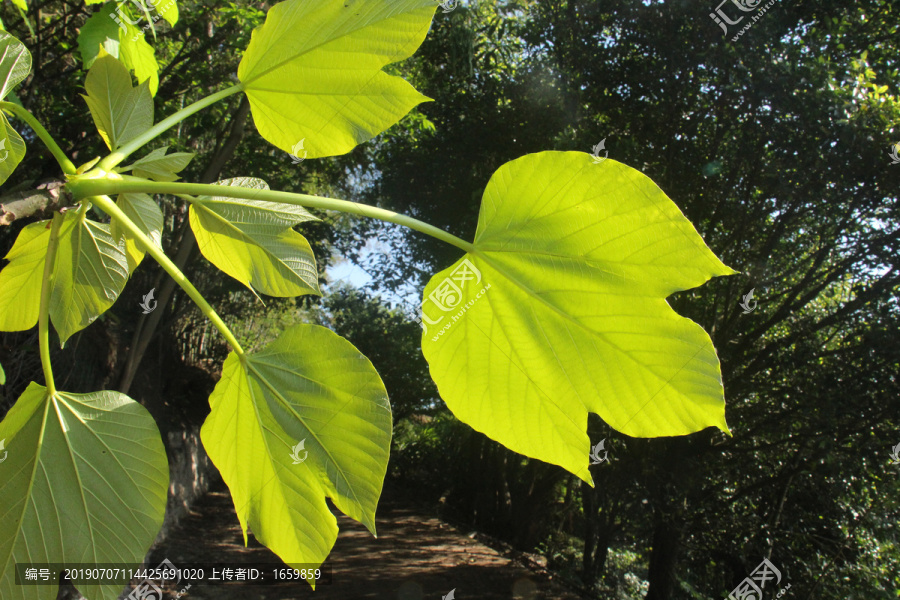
(312, 71)
(84, 481)
(121, 112)
(15, 65)
(90, 271)
(253, 241)
(305, 418)
(121, 39)
(561, 310)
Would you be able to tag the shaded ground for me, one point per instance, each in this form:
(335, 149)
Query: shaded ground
(416, 556)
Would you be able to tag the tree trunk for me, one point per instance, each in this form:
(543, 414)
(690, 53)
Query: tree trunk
(662, 560)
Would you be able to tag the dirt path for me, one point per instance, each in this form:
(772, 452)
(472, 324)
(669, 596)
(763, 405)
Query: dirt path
(416, 556)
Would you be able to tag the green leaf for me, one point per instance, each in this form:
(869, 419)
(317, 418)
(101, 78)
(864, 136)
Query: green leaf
(12, 149)
(20, 280)
(20, 4)
(160, 167)
(90, 272)
(15, 63)
(327, 409)
(146, 214)
(85, 481)
(2, 376)
(122, 40)
(253, 241)
(168, 10)
(561, 310)
(313, 71)
(121, 112)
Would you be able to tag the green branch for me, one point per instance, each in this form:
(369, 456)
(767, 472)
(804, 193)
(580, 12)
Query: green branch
(146, 244)
(109, 162)
(67, 165)
(44, 315)
(90, 187)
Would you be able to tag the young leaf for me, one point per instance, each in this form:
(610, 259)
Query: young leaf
(121, 39)
(121, 112)
(84, 481)
(146, 214)
(253, 241)
(313, 71)
(561, 310)
(158, 166)
(290, 426)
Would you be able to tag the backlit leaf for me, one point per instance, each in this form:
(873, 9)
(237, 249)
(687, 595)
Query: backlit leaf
(561, 310)
(146, 214)
(121, 112)
(85, 481)
(313, 71)
(253, 241)
(304, 419)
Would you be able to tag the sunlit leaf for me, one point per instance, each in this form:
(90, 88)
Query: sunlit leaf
(253, 241)
(313, 71)
(304, 419)
(12, 149)
(121, 112)
(561, 310)
(84, 481)
(20, 280)
(121, 39)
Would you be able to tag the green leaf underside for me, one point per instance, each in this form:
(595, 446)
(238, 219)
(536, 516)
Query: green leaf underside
(85, 481)
(90, 272)
(121, 112)
(125, 42)
(15, 65)
(333, 401)
(159, 166)
(253, 242)
(313, 71)
(12, 149)
(146, 214)
(575, 261)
